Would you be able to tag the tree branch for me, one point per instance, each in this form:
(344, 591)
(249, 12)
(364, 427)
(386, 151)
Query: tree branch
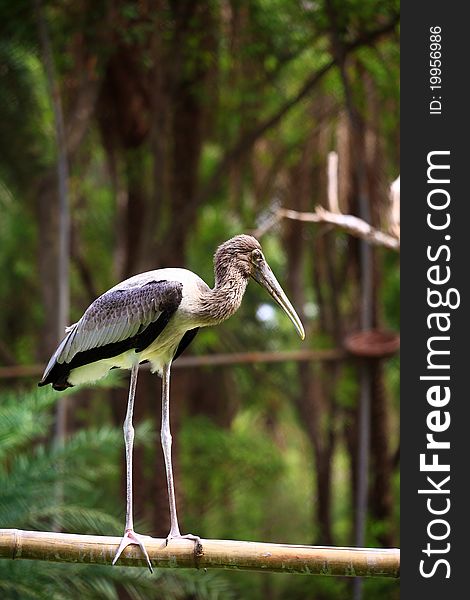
(349, 223)
(215, 554)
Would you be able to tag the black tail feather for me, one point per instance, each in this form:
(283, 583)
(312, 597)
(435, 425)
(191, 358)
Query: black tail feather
(58, 376)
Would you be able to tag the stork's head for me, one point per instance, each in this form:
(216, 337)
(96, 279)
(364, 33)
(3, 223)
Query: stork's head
(243, 252)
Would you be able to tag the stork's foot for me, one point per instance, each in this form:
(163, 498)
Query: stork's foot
(187, 536)
(131, 537)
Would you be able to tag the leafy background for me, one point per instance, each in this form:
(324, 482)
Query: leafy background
(187, 123)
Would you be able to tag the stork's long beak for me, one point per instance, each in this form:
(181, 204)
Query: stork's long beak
(263, 275)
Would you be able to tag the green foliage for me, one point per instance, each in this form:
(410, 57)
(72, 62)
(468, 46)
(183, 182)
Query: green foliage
(23, 419)
(232, 470)
(30, 470)
(25, 580)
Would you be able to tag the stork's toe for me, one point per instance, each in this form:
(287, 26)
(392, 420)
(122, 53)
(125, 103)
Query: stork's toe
(131, 537)
(187, 536)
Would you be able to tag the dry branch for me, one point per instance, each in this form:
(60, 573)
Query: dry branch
(349, 223)
(215, 554)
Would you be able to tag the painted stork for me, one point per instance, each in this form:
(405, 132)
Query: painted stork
(153, 317)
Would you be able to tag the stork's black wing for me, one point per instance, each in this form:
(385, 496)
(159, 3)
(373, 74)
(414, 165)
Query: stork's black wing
(187, 338)
(119, 320)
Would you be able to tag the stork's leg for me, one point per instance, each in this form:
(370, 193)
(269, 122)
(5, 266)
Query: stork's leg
(130, 537)
(166, 445)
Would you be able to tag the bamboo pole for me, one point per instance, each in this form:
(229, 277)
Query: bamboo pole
(214, 554)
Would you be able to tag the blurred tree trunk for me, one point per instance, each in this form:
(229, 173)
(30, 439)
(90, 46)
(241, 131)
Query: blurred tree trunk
(316, 403)
(155, 116)
(48, 257)
(381, 492)
(79, 99)
(192, 42)
(123, 119)
(366, 136)
(381, 485)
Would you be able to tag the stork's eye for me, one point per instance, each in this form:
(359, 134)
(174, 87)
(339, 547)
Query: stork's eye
(257, 256)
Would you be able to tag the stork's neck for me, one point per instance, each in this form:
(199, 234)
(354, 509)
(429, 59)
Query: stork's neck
(225, 298)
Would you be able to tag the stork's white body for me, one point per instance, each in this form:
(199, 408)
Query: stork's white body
(163, 348)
